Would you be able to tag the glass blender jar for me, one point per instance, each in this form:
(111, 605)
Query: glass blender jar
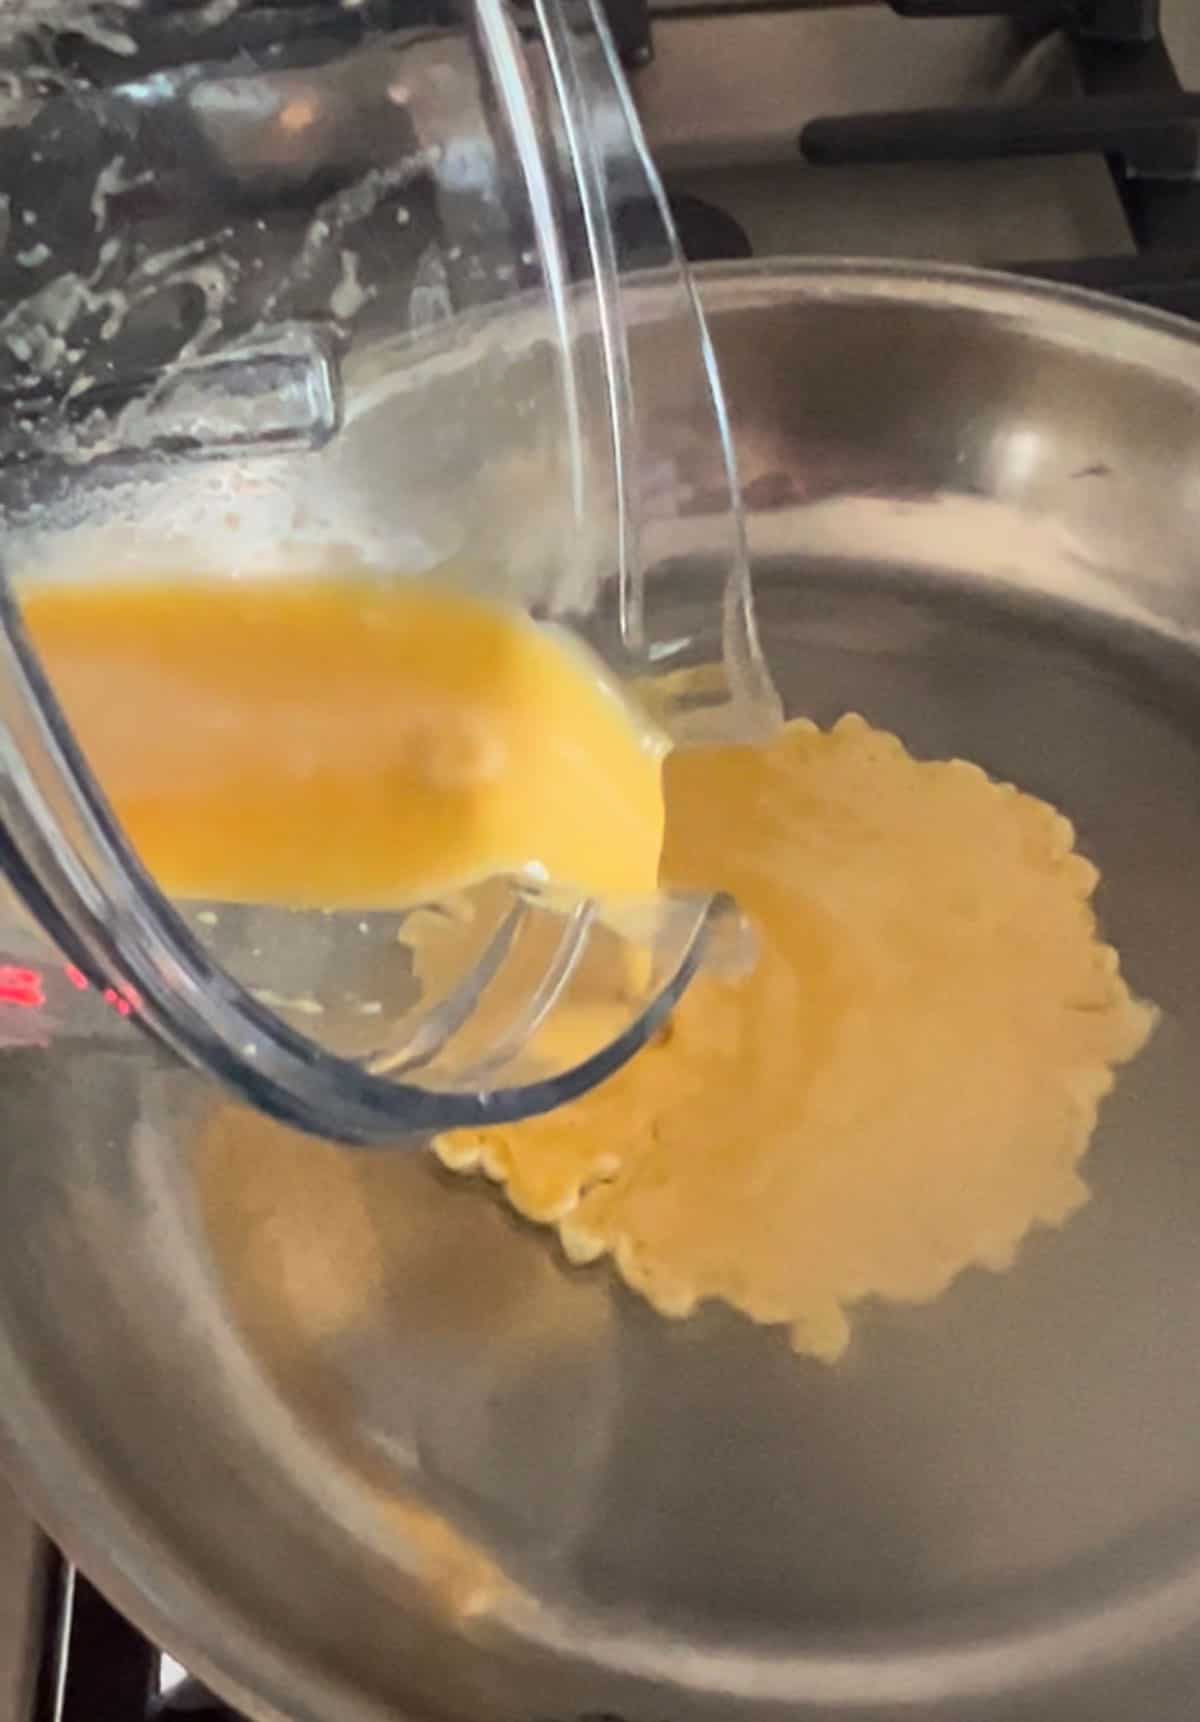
(350, 288)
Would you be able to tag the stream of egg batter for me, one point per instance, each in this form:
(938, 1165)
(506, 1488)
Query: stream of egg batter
(905, 1082)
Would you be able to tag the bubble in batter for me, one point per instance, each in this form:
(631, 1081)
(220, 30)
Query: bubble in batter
(902, 1087)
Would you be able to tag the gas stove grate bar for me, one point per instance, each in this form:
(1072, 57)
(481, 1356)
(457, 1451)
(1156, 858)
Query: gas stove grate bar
(1128, 20)
(97, 1667)
(1132, 110)
(1109, 125)
(1161, 281)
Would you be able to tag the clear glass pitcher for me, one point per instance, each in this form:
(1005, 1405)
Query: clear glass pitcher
(273, 294)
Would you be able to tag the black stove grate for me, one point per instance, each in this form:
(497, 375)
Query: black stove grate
(1130, 108)
(97, 1667)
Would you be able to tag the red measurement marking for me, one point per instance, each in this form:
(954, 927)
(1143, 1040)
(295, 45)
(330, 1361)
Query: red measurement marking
(24, 986)
(21, 987)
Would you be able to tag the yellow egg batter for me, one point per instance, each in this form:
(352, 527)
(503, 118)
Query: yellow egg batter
(904, 1084)
(348, 741)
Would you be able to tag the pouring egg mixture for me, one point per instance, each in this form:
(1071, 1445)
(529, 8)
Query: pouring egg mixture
(903, 1084)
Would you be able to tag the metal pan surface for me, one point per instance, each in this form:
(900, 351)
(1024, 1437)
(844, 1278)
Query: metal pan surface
(406, 1463)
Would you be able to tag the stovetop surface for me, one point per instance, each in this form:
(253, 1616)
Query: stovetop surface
(723, 101)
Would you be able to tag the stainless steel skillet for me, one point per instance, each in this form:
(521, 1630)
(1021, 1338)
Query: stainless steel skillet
(389, 1457)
